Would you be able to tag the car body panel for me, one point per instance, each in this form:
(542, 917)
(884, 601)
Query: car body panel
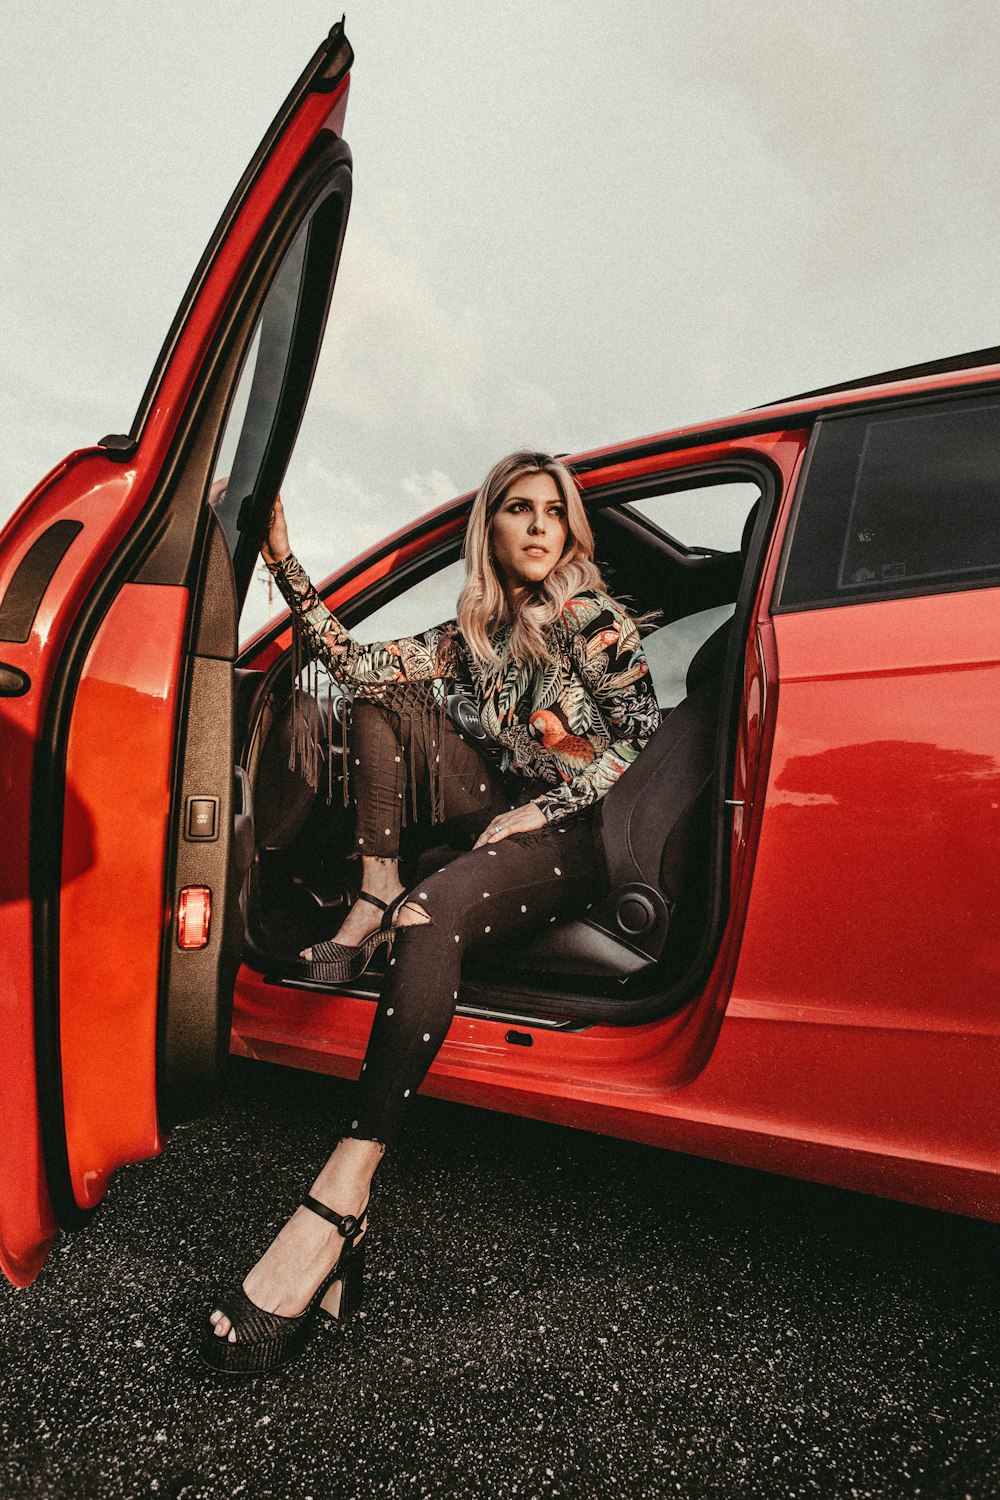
(89, 489)
(738, 1110)
(316, 113)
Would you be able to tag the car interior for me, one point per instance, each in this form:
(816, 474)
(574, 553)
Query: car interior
(681, 553)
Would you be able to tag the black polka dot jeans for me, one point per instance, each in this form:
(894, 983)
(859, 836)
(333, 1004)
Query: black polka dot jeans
(493, 896)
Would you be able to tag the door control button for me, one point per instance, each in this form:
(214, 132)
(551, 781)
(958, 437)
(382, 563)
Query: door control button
(202, 821)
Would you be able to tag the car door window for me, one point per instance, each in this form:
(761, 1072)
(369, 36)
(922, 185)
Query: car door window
(898, 503)
(269, 397)
(705, 519)
(429, 602)
(257, 397)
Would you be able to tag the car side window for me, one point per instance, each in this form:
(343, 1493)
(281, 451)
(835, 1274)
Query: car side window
(898, 503)
(670, 649)
(429, 602)
(270, 395)
(257, 400)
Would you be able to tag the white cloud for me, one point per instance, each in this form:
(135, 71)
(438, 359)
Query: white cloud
(332, 515)
(429, 490)
(884, 112)
(395, 351)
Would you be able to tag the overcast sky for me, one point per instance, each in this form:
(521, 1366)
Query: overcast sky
(573, 223)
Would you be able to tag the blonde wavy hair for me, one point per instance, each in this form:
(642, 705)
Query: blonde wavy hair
(482, 604)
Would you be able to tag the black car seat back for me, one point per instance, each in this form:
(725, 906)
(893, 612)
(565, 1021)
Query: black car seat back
(654, 826)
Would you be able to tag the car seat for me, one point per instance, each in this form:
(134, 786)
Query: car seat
(652, 826)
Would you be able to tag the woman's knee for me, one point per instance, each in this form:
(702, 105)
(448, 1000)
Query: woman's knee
(453, 906)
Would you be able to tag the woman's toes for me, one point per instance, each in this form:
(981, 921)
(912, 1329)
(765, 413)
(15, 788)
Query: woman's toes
(307, 954)
(222, 1326)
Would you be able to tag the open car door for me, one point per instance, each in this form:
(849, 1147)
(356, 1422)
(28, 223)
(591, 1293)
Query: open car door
(125, 834)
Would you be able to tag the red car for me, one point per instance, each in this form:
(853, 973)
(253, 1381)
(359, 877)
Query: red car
(797, 965)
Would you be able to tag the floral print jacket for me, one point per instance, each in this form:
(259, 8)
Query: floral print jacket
(574, 725)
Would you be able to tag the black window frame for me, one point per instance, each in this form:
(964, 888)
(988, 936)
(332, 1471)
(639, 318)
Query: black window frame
(283, 374)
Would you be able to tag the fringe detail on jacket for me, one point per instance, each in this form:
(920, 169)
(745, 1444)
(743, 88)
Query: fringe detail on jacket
(424, 703)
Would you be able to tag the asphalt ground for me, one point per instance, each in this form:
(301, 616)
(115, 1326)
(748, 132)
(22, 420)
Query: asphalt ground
(548, 1313)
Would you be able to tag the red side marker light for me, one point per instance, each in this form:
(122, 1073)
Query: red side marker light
(194, 912)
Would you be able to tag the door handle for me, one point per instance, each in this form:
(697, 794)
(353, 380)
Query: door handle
(13, 682)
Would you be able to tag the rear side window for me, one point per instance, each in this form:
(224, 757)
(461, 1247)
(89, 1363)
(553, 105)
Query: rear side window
(902, 503)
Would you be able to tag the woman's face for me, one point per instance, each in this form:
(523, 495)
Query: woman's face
(529, 533)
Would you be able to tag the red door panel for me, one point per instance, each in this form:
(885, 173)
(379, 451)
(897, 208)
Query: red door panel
(114, 850)
(869, 963)
(110, 639)
(310, 115)
(86, 492)
(27, 1225)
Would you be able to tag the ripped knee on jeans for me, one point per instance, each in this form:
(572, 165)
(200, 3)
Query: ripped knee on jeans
(410, 914)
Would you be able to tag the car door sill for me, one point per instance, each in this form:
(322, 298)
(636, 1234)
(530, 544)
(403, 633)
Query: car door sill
(474, 1012)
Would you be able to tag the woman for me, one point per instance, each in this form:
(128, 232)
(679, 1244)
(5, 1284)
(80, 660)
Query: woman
(558, 673)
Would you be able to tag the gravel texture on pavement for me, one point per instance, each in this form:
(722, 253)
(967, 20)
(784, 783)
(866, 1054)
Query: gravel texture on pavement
(548, 1313)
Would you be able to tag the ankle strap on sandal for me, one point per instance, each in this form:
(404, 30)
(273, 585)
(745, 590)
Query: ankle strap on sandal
(372, 900)
(348, 1224)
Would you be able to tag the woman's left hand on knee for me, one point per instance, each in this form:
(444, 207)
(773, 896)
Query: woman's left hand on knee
(519, 820)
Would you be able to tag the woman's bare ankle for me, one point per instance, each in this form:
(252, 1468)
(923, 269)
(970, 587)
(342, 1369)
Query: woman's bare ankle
(348, 1173)
(380, 877)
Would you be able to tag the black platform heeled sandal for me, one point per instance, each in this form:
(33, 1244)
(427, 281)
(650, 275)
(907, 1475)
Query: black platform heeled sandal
(335, 963)
(265, 1340)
